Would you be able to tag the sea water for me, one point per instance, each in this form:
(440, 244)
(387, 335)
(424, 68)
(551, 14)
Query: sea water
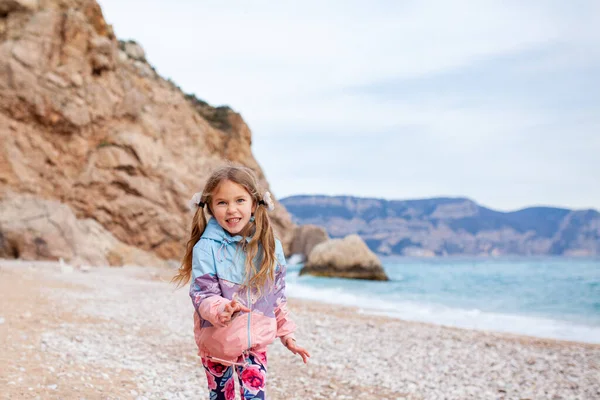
(544, 297)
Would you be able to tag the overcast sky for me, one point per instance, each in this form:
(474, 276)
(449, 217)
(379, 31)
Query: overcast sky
(498, 101)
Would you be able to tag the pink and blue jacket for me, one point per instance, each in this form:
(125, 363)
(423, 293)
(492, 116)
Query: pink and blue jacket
(217, 274)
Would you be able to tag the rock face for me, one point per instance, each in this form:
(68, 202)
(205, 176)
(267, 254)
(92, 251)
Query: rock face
(451, 226)
(306, 237)
(85, 121)
(32, 229)
(344, 258)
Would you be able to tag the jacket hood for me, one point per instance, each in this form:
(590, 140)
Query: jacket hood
(214, 231)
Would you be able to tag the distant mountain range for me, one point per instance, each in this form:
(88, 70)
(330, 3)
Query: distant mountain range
(450, 226)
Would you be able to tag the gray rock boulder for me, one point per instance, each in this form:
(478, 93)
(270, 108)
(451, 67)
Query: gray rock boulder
(306, 237)
(344, 258)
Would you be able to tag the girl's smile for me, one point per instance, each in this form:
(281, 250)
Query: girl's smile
(231, 224)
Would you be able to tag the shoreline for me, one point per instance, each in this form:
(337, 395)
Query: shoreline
(124, 332)
(521, 338)
(525, 308)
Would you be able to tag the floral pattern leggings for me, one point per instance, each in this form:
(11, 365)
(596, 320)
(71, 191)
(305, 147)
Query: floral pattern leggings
(252, 377)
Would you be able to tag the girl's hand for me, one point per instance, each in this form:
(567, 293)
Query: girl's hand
(291, 346)
(231, 308)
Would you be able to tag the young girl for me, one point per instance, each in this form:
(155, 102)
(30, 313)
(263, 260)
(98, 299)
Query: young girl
(237, 269)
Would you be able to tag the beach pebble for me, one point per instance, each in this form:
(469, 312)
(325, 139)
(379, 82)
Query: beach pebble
(142, 335)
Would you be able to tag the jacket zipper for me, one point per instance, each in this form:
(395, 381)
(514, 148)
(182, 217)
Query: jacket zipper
(249, 319)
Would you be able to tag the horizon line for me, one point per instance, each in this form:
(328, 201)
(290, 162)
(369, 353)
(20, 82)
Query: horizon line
(439, 197)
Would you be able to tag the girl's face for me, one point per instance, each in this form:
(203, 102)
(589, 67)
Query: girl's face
(232, 206)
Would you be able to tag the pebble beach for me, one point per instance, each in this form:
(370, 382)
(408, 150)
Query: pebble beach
(126, 333)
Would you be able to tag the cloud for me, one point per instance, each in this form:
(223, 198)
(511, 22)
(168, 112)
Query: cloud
(322, 44)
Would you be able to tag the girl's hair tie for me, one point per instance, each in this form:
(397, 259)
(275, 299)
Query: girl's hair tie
(267, 201)
(195, 202)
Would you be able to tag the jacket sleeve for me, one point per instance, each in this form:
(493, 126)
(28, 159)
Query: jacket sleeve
(285, 326)
(204, 289)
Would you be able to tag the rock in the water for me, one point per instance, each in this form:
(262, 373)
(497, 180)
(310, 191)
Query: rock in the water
(344, 258)
(306, 237)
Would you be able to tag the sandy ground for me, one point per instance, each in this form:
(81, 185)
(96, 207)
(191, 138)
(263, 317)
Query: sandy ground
(125, 333)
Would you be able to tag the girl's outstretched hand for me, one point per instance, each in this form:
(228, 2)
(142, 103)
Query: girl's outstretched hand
(291, 346)
(230, 309)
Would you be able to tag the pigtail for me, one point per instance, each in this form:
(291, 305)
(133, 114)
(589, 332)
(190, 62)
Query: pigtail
(262, 245)
(184, 273)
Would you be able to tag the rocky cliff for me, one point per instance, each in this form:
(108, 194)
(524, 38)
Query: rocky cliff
(86, 123)
(451, 226)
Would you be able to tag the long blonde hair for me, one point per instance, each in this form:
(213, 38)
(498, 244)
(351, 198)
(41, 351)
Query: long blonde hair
(262, 240)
